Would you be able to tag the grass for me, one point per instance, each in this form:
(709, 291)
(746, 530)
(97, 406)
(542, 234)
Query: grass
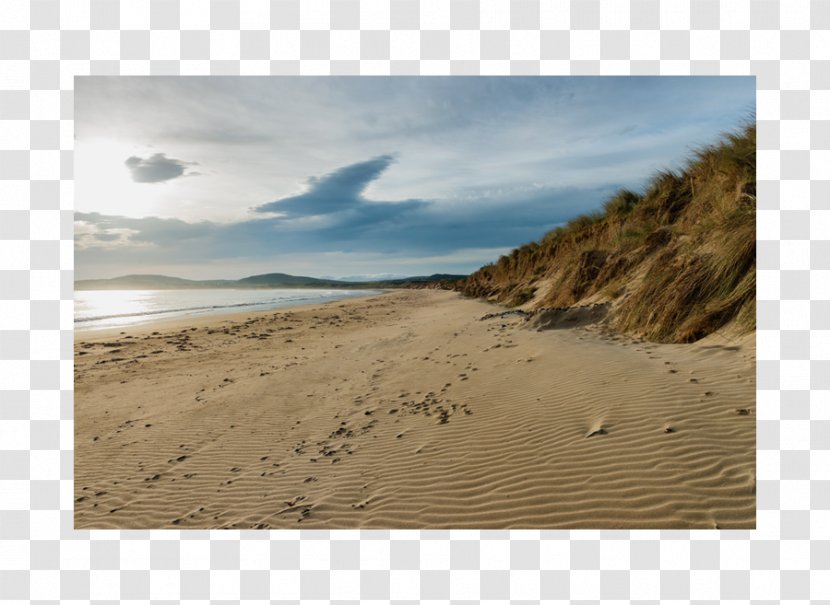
(677, 261)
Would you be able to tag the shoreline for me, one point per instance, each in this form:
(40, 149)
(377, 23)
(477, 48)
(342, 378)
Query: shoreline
(408, 410)
(206, 318)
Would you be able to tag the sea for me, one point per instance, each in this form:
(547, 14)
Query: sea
(98, 309)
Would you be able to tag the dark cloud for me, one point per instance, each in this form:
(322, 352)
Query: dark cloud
(156, 169)
(342, 191)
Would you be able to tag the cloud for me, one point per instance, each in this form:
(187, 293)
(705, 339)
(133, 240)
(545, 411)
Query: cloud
(335, 205)
(441, 235)
(156, 169)
(480, 164)
(334, 215)
(492, 132)
(341, 191)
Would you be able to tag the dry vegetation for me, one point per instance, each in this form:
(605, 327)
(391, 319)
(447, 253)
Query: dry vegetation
(676, 262)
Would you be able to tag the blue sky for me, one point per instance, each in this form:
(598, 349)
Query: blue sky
(223, 177)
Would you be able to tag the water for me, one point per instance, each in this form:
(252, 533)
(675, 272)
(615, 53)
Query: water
(96, 309)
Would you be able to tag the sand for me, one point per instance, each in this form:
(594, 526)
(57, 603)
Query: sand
(407, 410)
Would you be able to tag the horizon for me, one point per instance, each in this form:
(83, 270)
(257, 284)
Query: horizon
(350, 278)
(228, 177)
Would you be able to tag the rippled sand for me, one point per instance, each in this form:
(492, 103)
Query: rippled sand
(407, 410)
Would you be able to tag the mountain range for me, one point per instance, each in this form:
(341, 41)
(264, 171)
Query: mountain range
(267, 280)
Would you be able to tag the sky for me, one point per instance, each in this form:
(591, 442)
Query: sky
(365, 177)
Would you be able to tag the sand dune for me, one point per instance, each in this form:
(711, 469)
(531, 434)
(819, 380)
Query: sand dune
(407, 410)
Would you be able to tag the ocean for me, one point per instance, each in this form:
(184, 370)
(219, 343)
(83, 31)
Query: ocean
(96, 309)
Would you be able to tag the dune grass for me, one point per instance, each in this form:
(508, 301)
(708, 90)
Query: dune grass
(677, 262)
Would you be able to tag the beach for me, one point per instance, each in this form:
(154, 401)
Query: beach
(408, 410)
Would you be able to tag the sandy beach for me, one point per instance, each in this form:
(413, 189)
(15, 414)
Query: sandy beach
(408, 410)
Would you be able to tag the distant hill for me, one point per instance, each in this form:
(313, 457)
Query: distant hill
(673, 264)
(267, 280)
(431, 278)
(282, 280)
(147, 282)
(436, 280)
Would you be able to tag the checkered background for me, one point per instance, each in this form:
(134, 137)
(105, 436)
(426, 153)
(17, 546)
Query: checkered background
(45, 43)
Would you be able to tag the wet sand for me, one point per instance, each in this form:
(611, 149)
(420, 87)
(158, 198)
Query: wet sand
(407, 410)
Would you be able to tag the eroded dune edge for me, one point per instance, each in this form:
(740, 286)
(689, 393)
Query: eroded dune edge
(407, 410)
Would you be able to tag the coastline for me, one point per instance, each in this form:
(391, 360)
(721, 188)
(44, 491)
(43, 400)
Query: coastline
(406, 410)
(185, 321)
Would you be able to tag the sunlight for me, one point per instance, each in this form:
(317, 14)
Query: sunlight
(104, 184)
